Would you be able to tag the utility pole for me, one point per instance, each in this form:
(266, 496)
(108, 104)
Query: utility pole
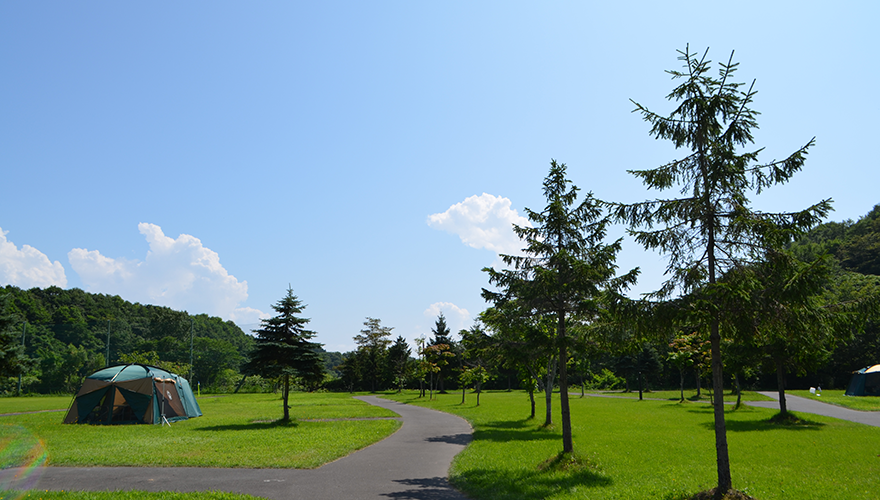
(23, 333)
(107, 358)
(191, 331)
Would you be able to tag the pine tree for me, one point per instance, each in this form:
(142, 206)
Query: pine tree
(711, 229)
(565, 271)
(373, 342)
(445, 346)
(399, 362)
(283, 348)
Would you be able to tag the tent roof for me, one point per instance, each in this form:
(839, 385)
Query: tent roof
(122, 373)
(873, 369)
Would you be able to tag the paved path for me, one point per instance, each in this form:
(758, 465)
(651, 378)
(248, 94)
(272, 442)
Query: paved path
(412, 463)
(806, 405)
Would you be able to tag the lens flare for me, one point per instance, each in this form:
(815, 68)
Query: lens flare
(22, 457)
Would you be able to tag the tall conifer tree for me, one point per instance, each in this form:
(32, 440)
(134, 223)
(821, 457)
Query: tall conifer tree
(566, 268)
(711, 229)
(283, 347)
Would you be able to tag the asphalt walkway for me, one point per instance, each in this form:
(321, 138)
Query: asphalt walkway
(412, 463)
(806, 405)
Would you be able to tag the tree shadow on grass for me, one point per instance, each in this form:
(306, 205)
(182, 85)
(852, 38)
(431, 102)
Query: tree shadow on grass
(521, 430)
(492, 483)
(795, 423)
(251, 426)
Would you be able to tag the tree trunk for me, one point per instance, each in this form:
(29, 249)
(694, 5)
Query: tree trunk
(738, 390)
(697, 377)
(479, 390)
(565, 410)
(532, 399)
(548, 389)
(462, 393)
(780, 386)
(639, 374)
(240, 384)
(725, 483)
(681, 384)
(284, 393)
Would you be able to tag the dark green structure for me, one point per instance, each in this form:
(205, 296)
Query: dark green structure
(865, 382)
(133, 394)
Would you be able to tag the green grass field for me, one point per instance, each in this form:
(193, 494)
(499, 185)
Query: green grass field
(836, 397)
(230, 424)
(34, 403)
(664, 450)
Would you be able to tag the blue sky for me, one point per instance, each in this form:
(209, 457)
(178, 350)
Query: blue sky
(372, 155)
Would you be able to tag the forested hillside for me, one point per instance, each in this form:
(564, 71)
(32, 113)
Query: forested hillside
(854, 249)
(68, 334)
(855, 245)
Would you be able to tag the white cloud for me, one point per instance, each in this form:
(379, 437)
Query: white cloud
(179, 273)
(456, 317)
(28, 267)
(484, 221)
(248, 316)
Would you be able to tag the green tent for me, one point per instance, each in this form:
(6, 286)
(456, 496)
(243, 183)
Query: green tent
(133, 394)
(865, 382)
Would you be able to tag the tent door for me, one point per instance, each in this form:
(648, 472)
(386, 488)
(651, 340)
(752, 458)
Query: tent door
(112, 409)
(170, 404)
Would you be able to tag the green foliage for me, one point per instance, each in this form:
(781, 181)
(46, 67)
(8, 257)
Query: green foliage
(605, 380)
(12, 357)
(855, 245)
(65, 368)
(399, 363)
(434, 358)
(858, 294)
(372, 353)
(475, 359)
(212, 357)
(447, 371)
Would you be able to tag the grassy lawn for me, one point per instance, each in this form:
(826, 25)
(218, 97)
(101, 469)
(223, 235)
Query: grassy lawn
(632, 449)
(230, 424)
(120, 495)
(836, 397)
(689, 395)
(34, 403)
